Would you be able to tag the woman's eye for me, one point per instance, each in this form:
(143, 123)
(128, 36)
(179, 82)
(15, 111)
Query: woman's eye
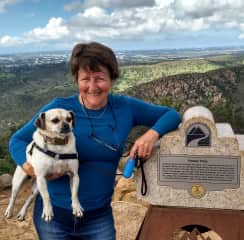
(55, 120)
(84, 79)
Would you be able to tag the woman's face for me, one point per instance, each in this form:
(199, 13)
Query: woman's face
(94, 87)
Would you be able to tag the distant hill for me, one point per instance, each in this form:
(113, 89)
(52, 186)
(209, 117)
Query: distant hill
(135, 74)
(211, 81)
(220, 90)
(26, 89)
(210, 88)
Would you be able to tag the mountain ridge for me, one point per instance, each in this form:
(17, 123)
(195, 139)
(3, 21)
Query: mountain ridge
(25, 90)
(189, 87)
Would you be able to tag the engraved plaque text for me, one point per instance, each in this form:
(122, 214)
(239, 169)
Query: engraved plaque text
(215, 172)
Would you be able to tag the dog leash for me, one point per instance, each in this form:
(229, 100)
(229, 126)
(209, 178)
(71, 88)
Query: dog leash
(143, 178)
(53, 154)
(139, 164)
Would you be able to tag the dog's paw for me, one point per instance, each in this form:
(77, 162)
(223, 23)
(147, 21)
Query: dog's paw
(78, 210)
(8, 213)
(47, 214)
(21, 215)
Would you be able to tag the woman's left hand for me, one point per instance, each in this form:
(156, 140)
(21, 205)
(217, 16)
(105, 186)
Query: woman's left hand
(143, 146)
(54, 176)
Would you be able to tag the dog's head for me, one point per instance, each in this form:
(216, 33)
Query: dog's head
(57, 120)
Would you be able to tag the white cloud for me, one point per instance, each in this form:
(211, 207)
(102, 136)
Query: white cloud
(55, 29)
(199, 24)
(94, 12)
(163, 3)
(73, 6)
(207, 8)
(7, 41)
(5, 3)
(231, 24)
(242, 26)
(193, 8)
(241, 36)
(136, 19)
(113, 4)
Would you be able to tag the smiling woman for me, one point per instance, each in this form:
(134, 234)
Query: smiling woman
(94, 73)
(102, 124)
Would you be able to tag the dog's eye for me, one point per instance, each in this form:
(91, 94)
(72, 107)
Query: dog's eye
(68, 119)
(55, 120)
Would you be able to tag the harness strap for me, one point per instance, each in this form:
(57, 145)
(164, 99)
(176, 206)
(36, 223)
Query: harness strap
(53, 154)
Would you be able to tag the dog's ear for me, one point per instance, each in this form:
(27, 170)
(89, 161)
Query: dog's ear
(73, 118)
(41, 121)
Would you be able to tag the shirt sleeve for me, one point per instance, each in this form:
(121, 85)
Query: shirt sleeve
(162, 119)
(20, 139)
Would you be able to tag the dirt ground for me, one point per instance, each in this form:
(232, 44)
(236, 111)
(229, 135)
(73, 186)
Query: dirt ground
(12, 229)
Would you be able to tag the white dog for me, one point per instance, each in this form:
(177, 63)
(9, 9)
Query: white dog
(52, 150)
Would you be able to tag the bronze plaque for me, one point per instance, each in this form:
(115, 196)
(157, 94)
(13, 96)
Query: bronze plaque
(199, 174)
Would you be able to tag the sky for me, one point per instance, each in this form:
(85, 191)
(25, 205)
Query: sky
(48, 25)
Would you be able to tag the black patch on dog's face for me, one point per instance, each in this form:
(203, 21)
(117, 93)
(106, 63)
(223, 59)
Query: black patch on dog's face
(41, 121)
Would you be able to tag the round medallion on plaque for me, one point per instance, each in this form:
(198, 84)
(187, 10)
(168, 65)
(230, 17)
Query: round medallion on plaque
(197, 190)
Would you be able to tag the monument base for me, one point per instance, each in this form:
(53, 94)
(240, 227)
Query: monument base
(161, 223)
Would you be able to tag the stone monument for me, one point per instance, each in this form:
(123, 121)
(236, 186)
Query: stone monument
(198, 168)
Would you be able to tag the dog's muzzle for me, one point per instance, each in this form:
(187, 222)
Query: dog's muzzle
(65, 128)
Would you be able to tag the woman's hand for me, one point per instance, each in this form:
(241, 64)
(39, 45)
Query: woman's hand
(28, 168)
(54, 176)
(143, 145)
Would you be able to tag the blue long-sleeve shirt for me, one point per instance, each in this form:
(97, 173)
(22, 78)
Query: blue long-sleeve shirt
(98, 163)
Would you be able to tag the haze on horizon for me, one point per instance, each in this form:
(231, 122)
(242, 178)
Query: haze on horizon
(42, 25)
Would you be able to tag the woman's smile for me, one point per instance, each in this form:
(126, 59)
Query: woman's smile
(94, 93)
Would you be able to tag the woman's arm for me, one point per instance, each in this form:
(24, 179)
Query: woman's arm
(159, 119)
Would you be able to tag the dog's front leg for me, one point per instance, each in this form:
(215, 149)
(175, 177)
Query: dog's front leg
(18, 179)
(22, 212)
(47, 212)
(74, 183)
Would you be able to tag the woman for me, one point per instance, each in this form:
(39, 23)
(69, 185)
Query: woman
(103, 122)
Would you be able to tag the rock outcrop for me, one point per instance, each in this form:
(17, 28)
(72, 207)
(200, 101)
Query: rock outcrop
(5, 181)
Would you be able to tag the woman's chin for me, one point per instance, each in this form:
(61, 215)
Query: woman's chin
(95, 104)
(94, 101)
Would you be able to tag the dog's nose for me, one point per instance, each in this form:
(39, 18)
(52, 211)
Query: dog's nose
(65, 128)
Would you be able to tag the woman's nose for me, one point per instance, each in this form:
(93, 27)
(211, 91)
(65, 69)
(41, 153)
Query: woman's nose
(92, 83)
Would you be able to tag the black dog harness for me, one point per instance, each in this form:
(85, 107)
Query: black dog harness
(53, 154)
